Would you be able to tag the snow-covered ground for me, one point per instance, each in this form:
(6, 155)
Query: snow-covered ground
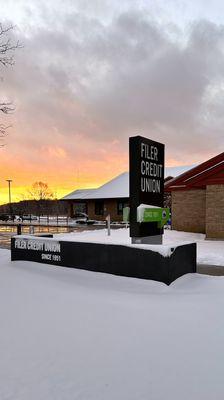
(68, 334)
(210, 252)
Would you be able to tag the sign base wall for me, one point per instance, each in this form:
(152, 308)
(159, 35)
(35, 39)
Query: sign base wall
(113, 259)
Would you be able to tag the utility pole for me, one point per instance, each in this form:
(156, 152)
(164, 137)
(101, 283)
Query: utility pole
(10, 205)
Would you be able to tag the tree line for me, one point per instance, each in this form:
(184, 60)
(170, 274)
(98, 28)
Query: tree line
(38, 200)
(35, 207)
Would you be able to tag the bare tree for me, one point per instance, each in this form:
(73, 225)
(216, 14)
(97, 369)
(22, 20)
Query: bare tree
(7, 48)
(40, 191)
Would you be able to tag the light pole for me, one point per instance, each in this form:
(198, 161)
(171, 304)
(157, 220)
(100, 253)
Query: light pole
(9, 183)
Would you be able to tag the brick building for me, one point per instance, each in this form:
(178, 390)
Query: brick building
(198, 199)
(109, 198)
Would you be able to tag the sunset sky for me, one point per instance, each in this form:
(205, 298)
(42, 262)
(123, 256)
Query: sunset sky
(91, 73)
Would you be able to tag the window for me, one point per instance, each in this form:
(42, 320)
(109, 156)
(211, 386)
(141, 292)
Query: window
(120, 205)
(80, 208)
(99, 207)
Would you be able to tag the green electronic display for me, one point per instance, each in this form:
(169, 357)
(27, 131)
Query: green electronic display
(159, 215)
(151, 214)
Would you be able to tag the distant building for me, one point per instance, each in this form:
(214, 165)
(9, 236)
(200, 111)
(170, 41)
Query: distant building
(109, 198)
(198, 199)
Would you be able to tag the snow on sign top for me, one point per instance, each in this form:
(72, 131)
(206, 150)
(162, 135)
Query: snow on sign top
(117, 187)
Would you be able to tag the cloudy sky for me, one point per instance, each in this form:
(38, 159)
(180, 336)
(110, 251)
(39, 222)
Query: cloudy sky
(91, 73)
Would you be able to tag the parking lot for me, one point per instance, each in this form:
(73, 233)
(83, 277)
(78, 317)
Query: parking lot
(7, 231)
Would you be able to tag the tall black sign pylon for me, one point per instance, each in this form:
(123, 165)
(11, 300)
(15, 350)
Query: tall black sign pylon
(146, 182)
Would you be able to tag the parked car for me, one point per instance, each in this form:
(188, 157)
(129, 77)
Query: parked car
(29, 217)
(80, 215)
(17, 218)
(8, 217)
(80, 218)
(5, 217)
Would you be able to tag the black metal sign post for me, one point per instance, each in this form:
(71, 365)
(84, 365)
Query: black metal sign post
(146, 171)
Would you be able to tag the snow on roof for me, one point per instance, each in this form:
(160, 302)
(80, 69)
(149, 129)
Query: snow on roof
(78, 194)
(117, 187)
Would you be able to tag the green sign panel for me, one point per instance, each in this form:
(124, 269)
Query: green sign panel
(160, 215)
(157, 214)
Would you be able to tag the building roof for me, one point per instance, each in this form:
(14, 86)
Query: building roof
(117, 187)
(210, 172)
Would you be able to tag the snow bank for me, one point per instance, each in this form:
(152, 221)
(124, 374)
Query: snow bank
(71, 334)
(210, 252)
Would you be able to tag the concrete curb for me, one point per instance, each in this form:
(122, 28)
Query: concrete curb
(215, 270)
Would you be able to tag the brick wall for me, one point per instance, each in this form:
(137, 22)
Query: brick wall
(91, 209)
(189, 210)
(110, 207)
(70, 209)
(215, 211)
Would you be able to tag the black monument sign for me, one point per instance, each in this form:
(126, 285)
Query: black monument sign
(146, 171)
(107, 258)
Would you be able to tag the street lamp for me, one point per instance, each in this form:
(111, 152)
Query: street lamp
(9, 183)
